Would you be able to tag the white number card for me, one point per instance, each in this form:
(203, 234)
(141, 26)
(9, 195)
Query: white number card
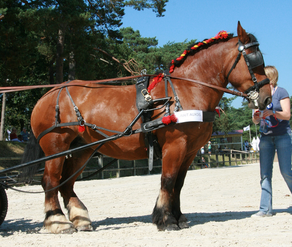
(189, 116)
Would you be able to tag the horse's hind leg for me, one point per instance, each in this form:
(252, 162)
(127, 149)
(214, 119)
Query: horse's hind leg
(78, 213)
(55, 220)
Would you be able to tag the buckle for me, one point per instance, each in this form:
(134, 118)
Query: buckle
(146, 95)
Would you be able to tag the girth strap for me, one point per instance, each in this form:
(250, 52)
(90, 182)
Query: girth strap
(92, 126)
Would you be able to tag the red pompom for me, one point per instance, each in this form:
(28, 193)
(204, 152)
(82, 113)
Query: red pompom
(169, 119)
(166, 120)
(81, 128)
(173, 118)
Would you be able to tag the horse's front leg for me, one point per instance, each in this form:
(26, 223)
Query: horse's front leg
(182, 220)
(55, 220)
(165, 214)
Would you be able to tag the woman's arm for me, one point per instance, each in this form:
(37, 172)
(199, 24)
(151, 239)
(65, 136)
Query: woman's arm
(285, 114)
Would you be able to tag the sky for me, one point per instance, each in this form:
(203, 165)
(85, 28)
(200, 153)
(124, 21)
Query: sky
(269, 20)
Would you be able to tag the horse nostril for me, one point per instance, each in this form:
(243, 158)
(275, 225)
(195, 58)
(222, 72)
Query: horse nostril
(268, 101)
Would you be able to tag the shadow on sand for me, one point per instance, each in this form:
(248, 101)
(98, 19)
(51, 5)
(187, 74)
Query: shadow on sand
(9, 227)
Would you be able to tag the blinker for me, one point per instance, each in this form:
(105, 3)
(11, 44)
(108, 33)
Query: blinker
(255, 59)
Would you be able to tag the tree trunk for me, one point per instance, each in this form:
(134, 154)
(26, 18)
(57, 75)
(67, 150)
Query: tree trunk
(59, 59)
(2, 117)
(72, 64)
(51, 72)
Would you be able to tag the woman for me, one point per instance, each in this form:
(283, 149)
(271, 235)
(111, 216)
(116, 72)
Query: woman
(275, 134)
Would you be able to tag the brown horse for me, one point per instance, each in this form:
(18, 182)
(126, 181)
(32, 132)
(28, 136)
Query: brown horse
(216, 61)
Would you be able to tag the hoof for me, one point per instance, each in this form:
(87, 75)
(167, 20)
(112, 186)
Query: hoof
(80, 219)
(87, 228)
(183, 225)
(59, 224)
(172, 227)
(69, 231)
(182, 222)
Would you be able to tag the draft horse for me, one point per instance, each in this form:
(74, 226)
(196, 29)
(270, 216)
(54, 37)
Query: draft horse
(216, 61)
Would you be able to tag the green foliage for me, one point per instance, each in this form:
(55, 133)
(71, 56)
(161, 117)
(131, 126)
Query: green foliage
(156, 6)
(44, 42)
(146, 53)
(224, 123)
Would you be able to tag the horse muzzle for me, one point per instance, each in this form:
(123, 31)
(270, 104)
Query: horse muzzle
(256, 98)
(259, 102)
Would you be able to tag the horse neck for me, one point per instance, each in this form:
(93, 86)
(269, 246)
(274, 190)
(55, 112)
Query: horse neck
(209, 66)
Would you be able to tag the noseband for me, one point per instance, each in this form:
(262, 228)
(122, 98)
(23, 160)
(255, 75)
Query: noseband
(252, 61)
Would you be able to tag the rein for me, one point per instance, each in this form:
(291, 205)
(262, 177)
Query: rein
(80, 83)
(115, 81)
(211, 86)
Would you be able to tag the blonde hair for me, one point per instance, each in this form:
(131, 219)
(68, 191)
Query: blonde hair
(272, 74)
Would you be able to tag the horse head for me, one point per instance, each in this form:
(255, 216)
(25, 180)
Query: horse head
(247, 73)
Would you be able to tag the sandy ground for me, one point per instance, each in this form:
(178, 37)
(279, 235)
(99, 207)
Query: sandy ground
(217, 202)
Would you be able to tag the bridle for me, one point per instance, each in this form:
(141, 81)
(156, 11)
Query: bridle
(252, 61)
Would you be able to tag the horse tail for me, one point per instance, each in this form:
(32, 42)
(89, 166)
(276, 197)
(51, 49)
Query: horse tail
(33, 151)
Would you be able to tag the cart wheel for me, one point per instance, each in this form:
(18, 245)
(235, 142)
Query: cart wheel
(3, 204)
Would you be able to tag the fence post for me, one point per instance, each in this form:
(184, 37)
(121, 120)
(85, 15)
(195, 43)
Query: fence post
(230, 156)
(223, 159)
(217, 162)
(134, 167)
(118, 170)
(100, 161)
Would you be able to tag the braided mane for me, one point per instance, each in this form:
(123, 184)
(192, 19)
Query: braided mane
(193, 49)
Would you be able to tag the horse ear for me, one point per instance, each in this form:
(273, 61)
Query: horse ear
(242, 35)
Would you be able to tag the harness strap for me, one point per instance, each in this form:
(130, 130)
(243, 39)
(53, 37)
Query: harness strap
(258, 85)
(55, 126)
(151, 152)
(78, 114)
(234, 65)
(178, 106)
(167, 107)
(92, 126)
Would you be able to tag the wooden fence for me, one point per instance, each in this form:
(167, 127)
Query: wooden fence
(122, 168)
